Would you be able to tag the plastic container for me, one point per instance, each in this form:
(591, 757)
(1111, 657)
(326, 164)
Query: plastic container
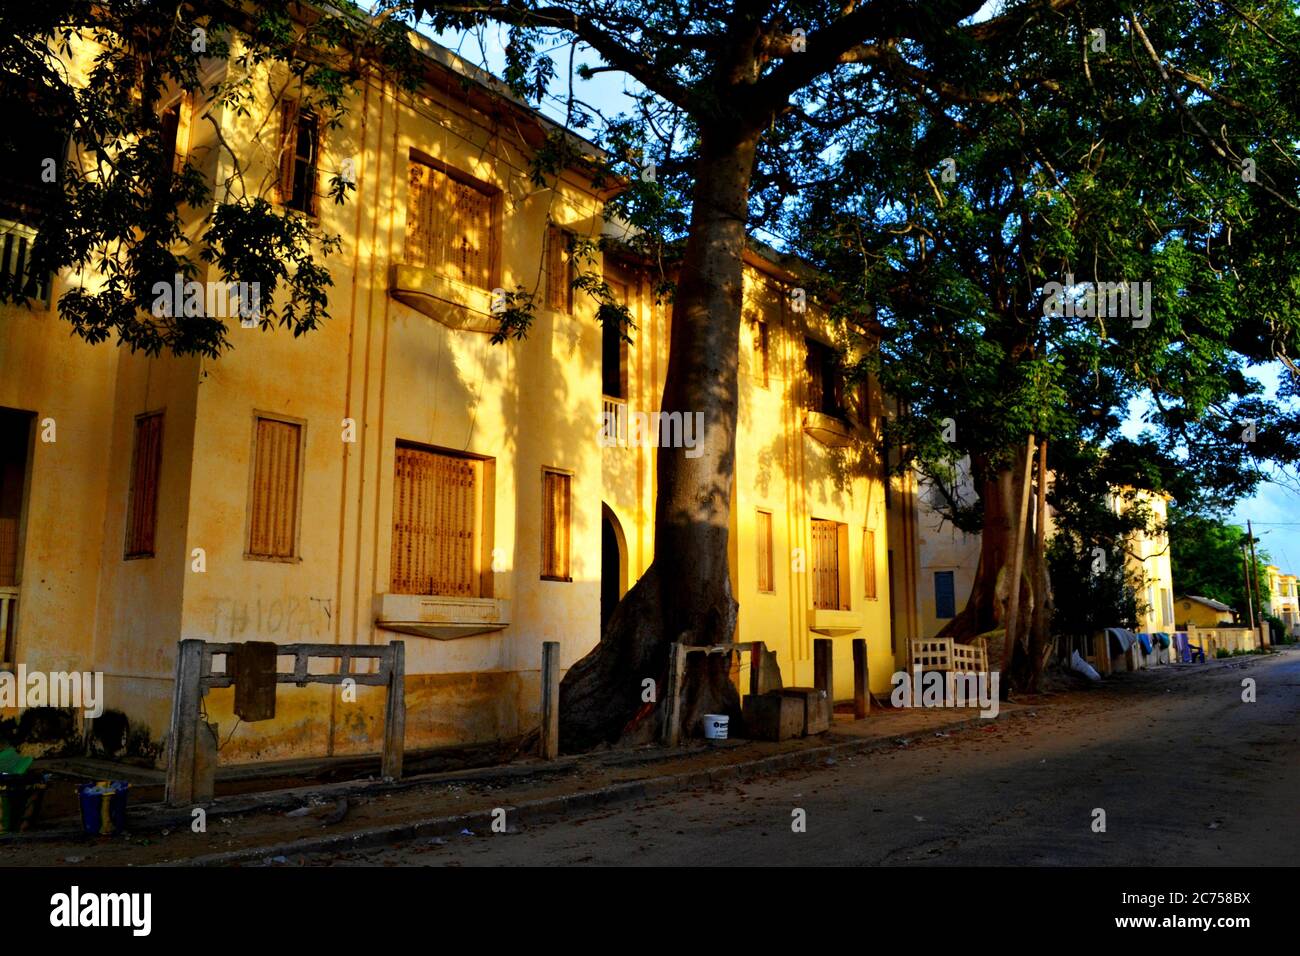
(103, 806)
(715, 726)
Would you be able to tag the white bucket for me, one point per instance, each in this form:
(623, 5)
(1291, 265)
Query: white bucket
(715, 726)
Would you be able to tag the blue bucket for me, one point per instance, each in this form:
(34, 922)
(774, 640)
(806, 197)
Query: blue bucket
(103, 806)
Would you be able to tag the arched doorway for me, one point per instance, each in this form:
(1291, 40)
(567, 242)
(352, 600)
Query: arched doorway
(613, 564)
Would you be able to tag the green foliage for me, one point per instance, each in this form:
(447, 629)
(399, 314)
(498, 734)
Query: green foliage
(120, 210)
(1074, 162)
(1206, 560)
(1095, 590)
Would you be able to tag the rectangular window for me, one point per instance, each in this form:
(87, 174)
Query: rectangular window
(825, 379)
(439, 523)
(830, 565)
(176, 120)
(559, 270)
(142, 501)
(450, 223)
(763, 536)
(556, 521)
(869, 563)
(298, 158)
(945, 598)
(613, 347)
(761, 355)
(274, 492)
(1166, 606)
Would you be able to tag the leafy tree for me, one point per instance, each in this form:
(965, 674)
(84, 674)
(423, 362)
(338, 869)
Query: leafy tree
(1206, 558)
(103, 191)
(985, 220)
(744, 106)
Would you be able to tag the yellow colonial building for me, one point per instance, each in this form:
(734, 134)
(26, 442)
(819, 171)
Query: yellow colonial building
(1283, 600)
(1148, 559)
(394, 475)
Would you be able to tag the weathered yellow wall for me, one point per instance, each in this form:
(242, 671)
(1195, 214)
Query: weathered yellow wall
(401, 376)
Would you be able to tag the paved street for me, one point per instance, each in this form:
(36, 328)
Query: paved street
(1186, 773)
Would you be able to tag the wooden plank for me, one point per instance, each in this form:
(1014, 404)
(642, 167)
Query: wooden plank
(550, 700)
(861, 675)
(672, 728)
(395, 712)
(183, 733)
(823, 678)
(756, 651)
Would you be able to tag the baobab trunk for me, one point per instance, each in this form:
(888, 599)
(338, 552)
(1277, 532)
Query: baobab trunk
(685, 595)
(986, 607)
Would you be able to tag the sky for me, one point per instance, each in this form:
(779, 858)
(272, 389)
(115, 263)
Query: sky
(1274, 510)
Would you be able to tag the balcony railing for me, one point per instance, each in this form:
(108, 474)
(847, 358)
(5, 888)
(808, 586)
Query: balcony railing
(8, 623)
(613, 421)
(16, 261)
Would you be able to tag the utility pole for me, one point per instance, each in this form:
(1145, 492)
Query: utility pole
(1245, 570)
(1254, 577)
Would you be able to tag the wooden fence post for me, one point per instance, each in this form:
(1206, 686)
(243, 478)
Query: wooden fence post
(672, 729)
(756, 651)
(182, 737)
(823, 678)
(550, 700)
(395, 712)
(861, 679)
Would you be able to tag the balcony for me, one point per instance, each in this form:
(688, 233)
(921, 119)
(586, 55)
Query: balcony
(441, 617)
(449, 301)
(15, 262)
(8, 624)
(832, 431)
(613, 419)
(834, 623)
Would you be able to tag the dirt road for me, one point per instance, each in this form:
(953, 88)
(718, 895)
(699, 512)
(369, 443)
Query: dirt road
(1186, 772)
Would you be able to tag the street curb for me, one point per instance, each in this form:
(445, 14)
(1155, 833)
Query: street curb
(552, 809)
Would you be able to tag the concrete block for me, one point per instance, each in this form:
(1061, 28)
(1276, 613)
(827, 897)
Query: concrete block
(773, 717)
(813, 703)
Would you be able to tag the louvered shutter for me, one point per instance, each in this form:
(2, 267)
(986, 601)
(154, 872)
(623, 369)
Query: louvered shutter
(142, 508)
(435, 500)
(556, 504)
(763, 534)
(273, 511)
(825, 564)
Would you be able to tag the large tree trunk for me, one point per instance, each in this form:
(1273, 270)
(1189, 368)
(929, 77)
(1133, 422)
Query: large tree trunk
(986, 607)
(685, 594)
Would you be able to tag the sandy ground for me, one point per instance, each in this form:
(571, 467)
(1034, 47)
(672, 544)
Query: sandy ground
(1186, 772)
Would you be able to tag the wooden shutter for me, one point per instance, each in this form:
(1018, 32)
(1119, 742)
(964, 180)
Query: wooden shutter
(288, 148)
(299, 133)
(435, 510)
(825, 564)
(142, 507)
(273, 507)
(559, 270)
(869, 563)
(449, 225)
(763, 535)
(556, 521)
(815, 383)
